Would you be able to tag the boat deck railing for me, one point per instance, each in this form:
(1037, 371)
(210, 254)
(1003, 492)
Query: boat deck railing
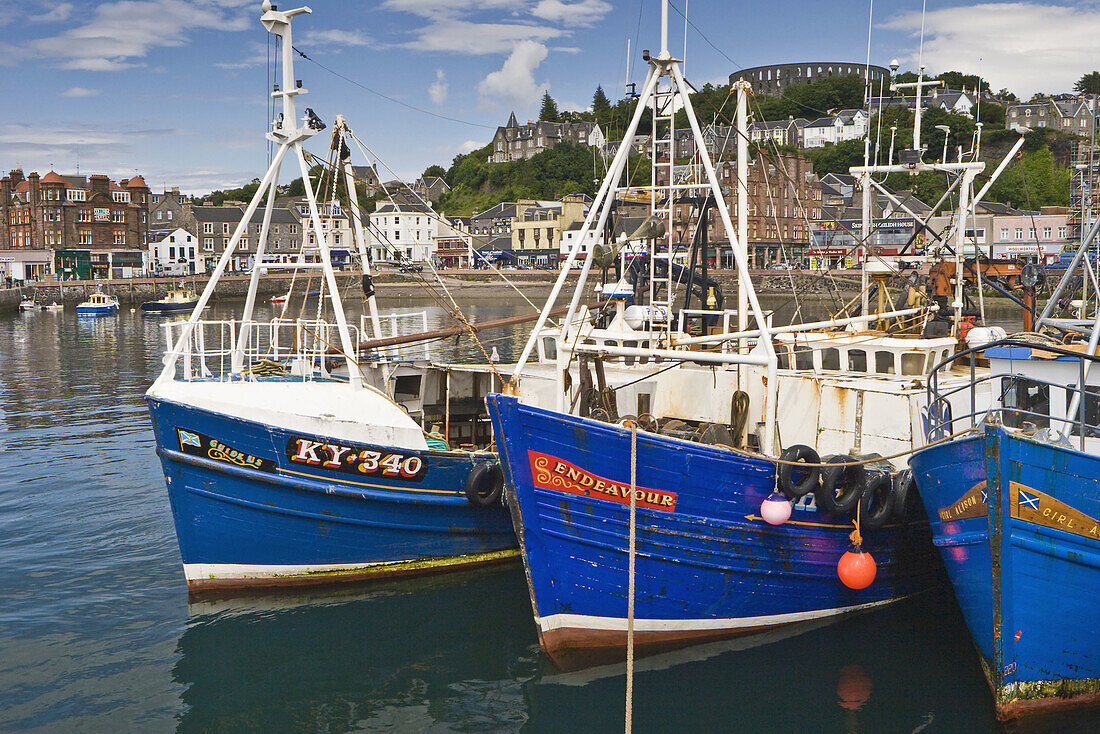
(219, 349)
(1015, 400)
(398, 324)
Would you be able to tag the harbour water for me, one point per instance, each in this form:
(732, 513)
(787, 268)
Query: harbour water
(97, 632)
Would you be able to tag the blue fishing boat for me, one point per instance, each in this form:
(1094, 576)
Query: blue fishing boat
(680, 472)
(98, 304)
(1013, 493)
(708, 565)
(295, 455)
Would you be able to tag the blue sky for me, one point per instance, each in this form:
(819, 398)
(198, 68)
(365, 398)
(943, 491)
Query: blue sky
(175, 89)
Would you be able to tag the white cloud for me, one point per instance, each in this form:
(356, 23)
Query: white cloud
(583, 12)
(258, 55)
(121, 33)
(437, 91)
(56, 14)
(515, 81)
(471, 145)
(80, 92)
(437, 9)
(1026, 47)
(335, 37)
(478, 38)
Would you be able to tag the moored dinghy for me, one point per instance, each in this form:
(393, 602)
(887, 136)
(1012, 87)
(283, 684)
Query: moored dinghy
(286, 459)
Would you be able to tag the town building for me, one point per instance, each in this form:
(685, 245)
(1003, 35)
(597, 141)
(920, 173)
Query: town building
(171, 209)
(402, 232)
(453, 243)
(514, 142)
(174, 252)
(496, 221)
(956, 101)
(215, 226)
(430, 188)
(1066, 112)
(781, 132)
(835, 128)
(367, 176)
(537, 230)
(94, 226)
(784, 197)
(836, 231)
(335, 223)
(999, 231)
(771, 80)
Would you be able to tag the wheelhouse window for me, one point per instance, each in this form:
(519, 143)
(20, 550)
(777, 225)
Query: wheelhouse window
(1025, 402)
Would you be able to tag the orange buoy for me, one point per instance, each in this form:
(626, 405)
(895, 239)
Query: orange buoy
(856, 570)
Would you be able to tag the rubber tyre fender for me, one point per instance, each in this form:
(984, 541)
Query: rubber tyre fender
(484, 484)
(809, 483)
(877, 501)
(850, 479)
(906, 500)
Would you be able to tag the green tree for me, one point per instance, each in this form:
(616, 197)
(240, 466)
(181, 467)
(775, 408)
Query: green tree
(435, 170)
(1088, 83)
(958, 80)
(549, 111)
(601, 107)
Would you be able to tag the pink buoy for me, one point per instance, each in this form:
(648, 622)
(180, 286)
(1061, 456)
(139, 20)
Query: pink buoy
(775, 510)
(856, 570)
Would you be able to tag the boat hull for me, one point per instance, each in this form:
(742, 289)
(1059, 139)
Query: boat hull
(161, 307)
(256, 505)
(1014, 520)
(708, 567)
(83, 310)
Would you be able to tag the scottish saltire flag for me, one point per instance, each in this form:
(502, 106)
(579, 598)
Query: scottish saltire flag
(1030, 500)
(190, 439)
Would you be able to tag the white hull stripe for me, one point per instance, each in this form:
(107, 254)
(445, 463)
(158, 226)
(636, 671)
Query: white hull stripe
(617, 624)
(198, 571)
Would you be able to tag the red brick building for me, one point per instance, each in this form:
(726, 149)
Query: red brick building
(784, 197)
(94, 226)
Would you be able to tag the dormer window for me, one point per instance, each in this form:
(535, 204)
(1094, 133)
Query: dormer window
(121, 197)
(76, 195)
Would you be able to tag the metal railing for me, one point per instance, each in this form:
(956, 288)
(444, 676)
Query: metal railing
(399, 324)
(940, 423)
(306, 349)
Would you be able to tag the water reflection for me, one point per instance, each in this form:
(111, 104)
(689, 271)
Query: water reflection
(448, 653)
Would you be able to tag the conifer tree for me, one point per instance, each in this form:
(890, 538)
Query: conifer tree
(549, 111)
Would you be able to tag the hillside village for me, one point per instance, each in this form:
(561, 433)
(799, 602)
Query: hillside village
(519, 201)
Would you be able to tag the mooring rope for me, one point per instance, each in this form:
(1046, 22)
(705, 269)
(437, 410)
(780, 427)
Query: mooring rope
(630, 578)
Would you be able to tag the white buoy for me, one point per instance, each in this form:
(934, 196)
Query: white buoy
(495, 356)
(775, 509)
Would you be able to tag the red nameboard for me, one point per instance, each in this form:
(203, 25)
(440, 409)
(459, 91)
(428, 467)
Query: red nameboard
(550, 472)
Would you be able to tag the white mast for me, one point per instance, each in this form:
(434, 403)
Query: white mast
(288, 133)
(660, 67)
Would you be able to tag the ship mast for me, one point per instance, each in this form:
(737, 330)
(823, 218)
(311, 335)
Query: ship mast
(289, 133)
(664, 88)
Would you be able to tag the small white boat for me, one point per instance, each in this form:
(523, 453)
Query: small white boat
(51, 306)
(99, 304)
(27, 304)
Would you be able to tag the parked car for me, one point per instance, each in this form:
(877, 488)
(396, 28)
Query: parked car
(412, 268)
